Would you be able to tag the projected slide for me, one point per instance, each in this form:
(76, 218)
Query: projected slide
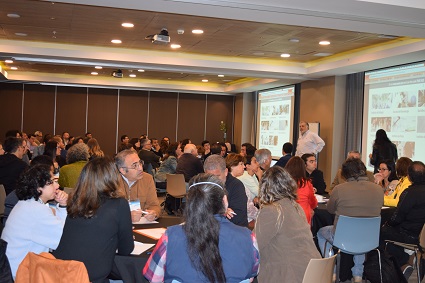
(275, 122)
(395, 102)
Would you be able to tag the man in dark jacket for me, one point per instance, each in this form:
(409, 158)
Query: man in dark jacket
(11, 164)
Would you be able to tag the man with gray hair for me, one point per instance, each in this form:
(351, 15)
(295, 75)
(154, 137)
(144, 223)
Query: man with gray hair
(138, 185)
(339, 179)
(308, 142)
(189, 164)
(264, 159)
(236, 196)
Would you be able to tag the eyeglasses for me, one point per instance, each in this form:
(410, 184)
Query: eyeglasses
(50, 182)
(135, 165)
(383, 169)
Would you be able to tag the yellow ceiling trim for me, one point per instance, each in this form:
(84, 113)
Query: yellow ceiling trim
(364, 50)
(240, 81)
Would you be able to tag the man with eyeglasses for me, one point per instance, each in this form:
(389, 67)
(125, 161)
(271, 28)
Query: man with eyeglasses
(138, 185)
(11, 164)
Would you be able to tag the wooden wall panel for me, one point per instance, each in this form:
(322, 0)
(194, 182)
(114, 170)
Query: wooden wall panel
(71, 103)
(162, 115)
(133, 113)
(39, 107)
(102, 117)
(11, 108)
(219, 108)
(191, 117)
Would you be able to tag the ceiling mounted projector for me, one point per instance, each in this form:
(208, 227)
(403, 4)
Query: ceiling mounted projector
(161, 38)
(117, 74)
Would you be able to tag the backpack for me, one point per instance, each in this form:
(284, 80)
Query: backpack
(381, 267)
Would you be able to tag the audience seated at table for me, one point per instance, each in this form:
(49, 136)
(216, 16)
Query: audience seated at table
(94, 149)
(315, 175)
(168, 166)
(99, 223)
(386, 176)
(136, 184)
(305, 192)
(408, 219)
(357, 198)
(237, 209)
(52, 150)
(32, 225)
(135, 143)
(250, 181)
(284, 238)
(207, 247)
(189, 164)
(339, 179)
(77, 157)
(287, 149)
(147, 155)
(392, 195)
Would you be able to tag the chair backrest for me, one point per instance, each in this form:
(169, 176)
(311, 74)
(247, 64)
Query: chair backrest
(422, 237)
(176, 185)
(320, 270)
(46, 268)
(357, 235)
(2, 198)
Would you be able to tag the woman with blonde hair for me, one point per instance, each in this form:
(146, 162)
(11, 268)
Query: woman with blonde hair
(94, 149)
(284, 238)
(99, 223)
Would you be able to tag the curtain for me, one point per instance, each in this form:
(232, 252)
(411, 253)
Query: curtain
(354, 112)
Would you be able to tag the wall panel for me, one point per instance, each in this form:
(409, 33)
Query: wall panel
(219, 108)
(39, 107)
(11, 108)
(162, 115)
(191, 123)
(133, 113)
(102, 117)
(71, 103)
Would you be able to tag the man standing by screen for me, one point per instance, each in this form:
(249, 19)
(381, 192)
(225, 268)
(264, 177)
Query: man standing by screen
(308, 142)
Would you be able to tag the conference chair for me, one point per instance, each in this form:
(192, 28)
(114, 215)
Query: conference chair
(355, 236)
(320, 270)
(176, 187)
(417, 249)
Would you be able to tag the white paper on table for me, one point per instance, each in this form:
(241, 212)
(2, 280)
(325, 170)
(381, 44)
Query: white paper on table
(385, 207)
(154, 233)
(143, 220)
(140, 248)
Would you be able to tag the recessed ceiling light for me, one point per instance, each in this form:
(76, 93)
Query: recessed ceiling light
(116, 41)
(52, 18)
(197, 31)
(324, 42)
(94, 73)
(285, 55)
(127, 25)
(132, 75)
(98, 67)
(20, 34)
(14, 68)
(140, 70)
(295, 40)
(204, 80)
(175, 46)
(221, 76)
(8, 61)
(13, 15)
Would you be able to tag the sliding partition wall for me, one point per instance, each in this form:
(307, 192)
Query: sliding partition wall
(110, 113)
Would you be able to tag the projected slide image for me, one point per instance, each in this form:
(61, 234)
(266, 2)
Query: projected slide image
(382, 101)
(265, 125)
(404, 99)
(269, 140)
(406, 149)
(283, 125)
(421, 125)
(266, 110)
(403, 124)
(381, 123)
(421, 98)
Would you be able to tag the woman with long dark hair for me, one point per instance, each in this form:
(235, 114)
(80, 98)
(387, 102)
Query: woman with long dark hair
(386, 177)
(99, 223)
(53, 150)
(94, 149)
(284, 237)
(383, 149)
(306, 198)
(207, 247)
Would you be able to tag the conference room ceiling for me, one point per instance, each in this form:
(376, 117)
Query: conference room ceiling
(65, 41)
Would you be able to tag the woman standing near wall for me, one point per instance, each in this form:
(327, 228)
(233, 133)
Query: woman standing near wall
(383, 149)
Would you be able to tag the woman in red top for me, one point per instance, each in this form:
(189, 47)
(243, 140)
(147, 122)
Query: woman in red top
(296, 168)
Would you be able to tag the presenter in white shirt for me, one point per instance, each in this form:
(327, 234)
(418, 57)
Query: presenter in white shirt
(308, 142)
